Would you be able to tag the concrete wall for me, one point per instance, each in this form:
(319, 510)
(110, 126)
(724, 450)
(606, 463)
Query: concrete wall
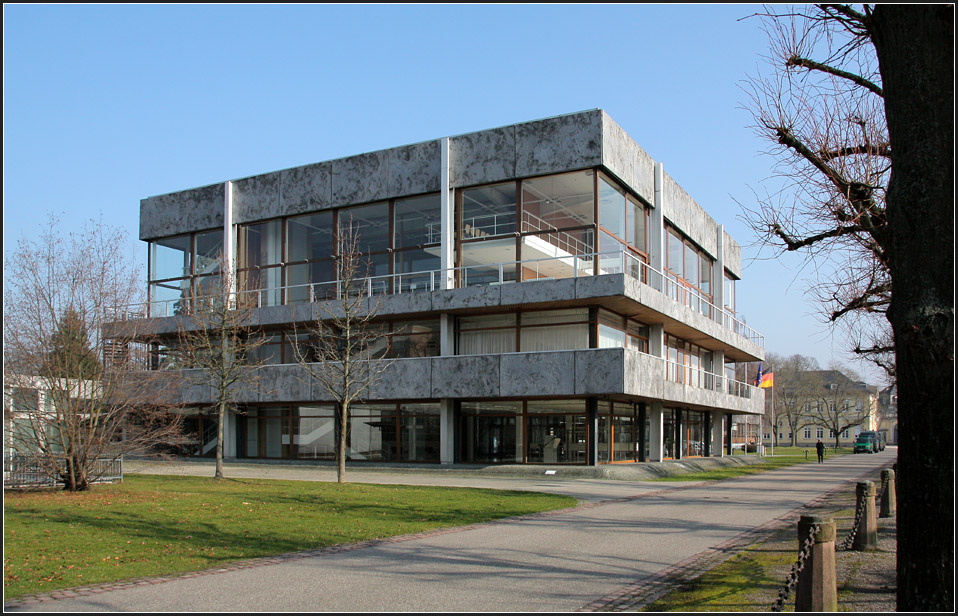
(509, 375)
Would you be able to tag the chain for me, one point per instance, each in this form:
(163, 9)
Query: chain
(882, 488)
(797, 568)
(850, 539)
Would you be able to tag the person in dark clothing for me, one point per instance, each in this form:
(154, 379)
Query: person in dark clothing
(820, 448)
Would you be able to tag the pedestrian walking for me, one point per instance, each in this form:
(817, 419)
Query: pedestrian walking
(820, 448)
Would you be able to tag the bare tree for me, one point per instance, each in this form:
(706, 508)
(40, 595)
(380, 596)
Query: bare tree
(794, 390)
(217, 344)
(860, 107)
(346, 349)
(76, 378)
(842, 401)
(826, 118)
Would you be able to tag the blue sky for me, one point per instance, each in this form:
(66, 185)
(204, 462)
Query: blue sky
(105, 105)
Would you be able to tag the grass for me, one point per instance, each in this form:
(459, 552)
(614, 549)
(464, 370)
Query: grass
(784, 456)
(158, 525)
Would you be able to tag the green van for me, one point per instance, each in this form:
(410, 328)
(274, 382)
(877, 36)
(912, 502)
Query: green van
(867, 442)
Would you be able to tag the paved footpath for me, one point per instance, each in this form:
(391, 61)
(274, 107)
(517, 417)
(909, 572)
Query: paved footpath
(598, 556)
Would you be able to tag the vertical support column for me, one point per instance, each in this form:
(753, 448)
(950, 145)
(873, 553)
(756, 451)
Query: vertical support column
(229, 239)
(229, 435)
(592, 418)
(643, 432)
(447, 220)
(447, 343)
(717, 449)
(655, 432)
(718, 273)
(679, 427)
(657, 222)
(728, 434)
(447, 431)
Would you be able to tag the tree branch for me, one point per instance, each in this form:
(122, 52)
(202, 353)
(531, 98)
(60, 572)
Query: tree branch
(824, 68)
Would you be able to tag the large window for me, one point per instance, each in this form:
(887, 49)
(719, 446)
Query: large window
(542, 431)
(182, 267)
(383, 432)
(294, 259)
(688, 363)
(689, 271)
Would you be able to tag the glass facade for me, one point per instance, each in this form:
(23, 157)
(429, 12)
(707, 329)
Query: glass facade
(376, 432)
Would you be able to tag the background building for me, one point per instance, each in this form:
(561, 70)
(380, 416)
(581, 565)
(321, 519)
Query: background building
(827, 403)
(550, 295)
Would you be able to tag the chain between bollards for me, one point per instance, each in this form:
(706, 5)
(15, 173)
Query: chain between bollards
(797, 568)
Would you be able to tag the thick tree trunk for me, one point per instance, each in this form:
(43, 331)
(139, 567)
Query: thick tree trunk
(915, 45)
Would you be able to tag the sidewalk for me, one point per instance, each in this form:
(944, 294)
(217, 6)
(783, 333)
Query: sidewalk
(626, 535)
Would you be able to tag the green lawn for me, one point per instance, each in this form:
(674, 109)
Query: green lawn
(784, 456)
(156, 525)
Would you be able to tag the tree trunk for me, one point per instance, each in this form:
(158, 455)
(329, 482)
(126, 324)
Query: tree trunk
(915, 46)
(341, 443)
(220, 432)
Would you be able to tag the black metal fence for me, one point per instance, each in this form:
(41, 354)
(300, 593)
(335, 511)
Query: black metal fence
(26, 472)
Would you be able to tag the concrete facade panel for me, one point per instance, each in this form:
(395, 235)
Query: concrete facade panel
(483, 157)
(563, 143)
(683, 212)
(587, 287)
(534, 292)
(467, 297)
(414, 169)
(625, 159)
(465, 376)
(600, 371)
(404, 379)
(733, 255)
(306, 189)
(284, 383)
(644, 375)
(538, 374)
(186, 211)
(360, 179)
(256, 198)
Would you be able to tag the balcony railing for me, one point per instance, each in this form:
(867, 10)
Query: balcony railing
(703, 379)
(571, 266)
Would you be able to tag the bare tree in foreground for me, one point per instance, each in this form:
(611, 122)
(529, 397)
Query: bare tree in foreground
(218, 341)
(861, 109)
(87, 396)
(346, 349)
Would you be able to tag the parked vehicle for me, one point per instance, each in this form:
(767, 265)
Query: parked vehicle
(867, 442)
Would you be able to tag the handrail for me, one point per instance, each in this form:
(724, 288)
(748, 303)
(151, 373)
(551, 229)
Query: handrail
(576, 265)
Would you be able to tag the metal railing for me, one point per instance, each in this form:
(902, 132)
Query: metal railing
(703, 379)
(572, 266)
(26, 472)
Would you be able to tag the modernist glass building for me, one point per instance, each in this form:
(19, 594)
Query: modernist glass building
(549, 296)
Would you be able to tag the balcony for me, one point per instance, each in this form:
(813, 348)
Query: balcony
(560, 265)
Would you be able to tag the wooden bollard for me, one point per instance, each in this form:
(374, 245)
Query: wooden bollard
(866, 537)
(817, 589)
(889, 502)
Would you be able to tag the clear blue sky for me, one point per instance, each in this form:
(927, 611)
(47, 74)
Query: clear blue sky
(105, 105)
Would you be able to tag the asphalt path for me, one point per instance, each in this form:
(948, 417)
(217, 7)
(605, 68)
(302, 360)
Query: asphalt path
(624, 533)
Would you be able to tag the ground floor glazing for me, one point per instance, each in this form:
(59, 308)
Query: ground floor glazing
(565, 431)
